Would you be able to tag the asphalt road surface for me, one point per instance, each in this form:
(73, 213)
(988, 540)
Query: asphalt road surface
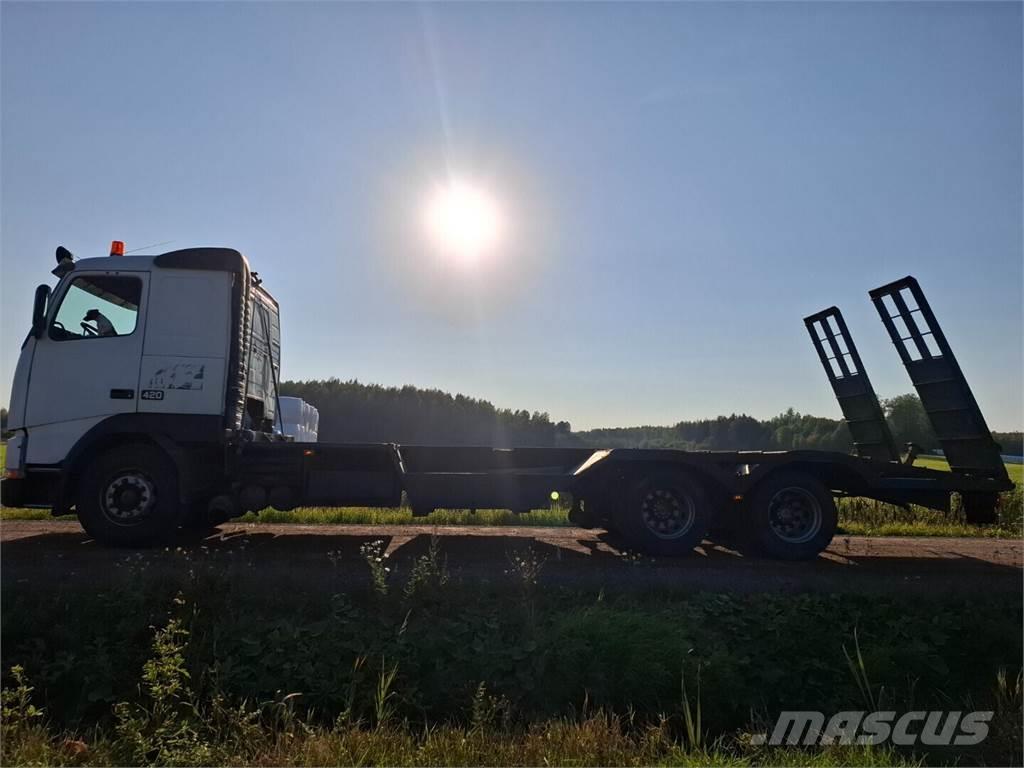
(312, 557)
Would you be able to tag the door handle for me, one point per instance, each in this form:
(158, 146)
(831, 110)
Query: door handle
(122, 394)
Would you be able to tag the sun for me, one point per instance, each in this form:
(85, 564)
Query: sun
(463, 221)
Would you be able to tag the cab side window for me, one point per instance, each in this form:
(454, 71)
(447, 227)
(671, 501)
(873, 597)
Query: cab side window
(98, 306)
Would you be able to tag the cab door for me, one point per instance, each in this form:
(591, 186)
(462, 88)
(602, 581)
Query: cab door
(86, 363)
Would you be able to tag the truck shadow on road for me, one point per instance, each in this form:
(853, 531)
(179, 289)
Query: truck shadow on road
(304, 558)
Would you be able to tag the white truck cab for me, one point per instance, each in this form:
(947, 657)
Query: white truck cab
(184, 344)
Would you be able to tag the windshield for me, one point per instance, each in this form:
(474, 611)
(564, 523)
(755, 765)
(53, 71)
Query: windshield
(98, 306)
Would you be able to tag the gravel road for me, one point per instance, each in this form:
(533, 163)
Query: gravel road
(308, 557)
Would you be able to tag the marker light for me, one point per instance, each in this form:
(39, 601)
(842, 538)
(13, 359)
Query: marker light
(117, 248)
(554, 495)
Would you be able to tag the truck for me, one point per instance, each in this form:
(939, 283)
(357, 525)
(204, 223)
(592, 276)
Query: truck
(145, 400)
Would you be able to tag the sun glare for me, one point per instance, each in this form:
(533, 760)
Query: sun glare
(463, 221)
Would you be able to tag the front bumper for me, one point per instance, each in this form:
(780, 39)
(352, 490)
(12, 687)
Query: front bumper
(12, 492)
(35, 489)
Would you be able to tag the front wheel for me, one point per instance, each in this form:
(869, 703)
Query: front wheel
(666, 513)
(128, 497)
(792, 516)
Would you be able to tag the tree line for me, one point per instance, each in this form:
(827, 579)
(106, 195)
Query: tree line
(353, 412)
(786, 431)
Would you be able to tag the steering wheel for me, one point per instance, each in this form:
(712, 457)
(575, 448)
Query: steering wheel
(89, 330)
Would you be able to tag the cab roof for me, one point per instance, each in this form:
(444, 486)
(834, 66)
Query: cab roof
(215, 259)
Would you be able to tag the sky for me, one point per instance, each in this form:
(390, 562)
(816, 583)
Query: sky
(678, 185)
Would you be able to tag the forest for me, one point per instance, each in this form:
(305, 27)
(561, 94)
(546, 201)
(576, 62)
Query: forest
(354, 412)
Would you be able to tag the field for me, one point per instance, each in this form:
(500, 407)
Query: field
(1016, 471)
(414, 666)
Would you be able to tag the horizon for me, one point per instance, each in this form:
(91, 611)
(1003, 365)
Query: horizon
(554, 417)
(610, 214)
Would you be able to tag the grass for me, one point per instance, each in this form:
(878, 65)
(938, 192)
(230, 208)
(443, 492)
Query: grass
(857, 517)
(925, 530)
(415, 671)
(1015, 471)
(361, 516)
(555, 516)
(598, 740)
(865, 517)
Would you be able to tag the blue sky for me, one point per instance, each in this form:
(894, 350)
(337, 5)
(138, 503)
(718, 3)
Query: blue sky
(681, 184)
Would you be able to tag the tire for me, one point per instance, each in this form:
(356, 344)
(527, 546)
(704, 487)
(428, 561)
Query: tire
(791, 516)
(980, 508)
(666, 513)
(197, 523)
(128, 497)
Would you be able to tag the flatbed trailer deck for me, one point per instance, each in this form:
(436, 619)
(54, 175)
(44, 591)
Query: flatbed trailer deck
(198, 444)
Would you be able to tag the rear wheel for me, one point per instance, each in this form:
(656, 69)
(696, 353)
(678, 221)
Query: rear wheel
(128, 497)
(980, 508)
(792, 516)
(201, 518)
(666, 513)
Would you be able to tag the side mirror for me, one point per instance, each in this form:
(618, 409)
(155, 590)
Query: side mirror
(39, 310)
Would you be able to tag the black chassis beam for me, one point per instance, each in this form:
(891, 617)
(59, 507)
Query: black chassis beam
(338, 475)
(522, 478)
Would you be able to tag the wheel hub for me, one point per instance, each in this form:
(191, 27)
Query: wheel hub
(795, 515)
(667, 513)
(128, 498)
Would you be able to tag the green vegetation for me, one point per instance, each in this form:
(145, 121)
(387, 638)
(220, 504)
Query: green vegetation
(18, 513)
(864, 517)
(265, 736)
(554, 516)
(413, 670)
(727, 433)
(351, 412)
